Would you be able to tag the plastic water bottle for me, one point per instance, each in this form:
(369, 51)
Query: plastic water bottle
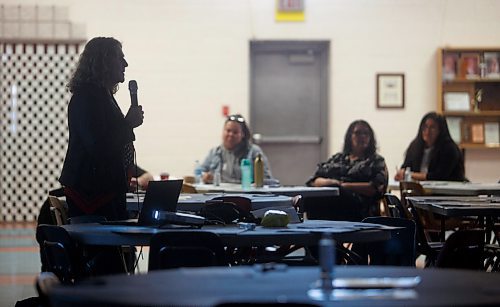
(246, 174)
(217, 177)
(197, 172)
(408, 174)
(326, 260)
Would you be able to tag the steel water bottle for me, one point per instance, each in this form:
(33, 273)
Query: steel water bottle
(258, 171)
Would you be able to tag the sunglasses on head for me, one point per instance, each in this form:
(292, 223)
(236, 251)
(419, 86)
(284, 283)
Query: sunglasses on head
(236, 118)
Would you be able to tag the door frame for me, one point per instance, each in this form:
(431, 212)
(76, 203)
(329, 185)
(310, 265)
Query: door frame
(320, 47)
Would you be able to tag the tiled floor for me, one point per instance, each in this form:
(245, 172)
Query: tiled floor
(19, 262)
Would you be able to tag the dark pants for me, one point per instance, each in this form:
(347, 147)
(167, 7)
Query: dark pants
(103, 260)
(348, 206)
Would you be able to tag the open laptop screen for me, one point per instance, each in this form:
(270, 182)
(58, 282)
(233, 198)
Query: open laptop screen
(160, 196)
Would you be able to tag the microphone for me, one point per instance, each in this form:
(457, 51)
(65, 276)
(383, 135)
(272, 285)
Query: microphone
(132, 87)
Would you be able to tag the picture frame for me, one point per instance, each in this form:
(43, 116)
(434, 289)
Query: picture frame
(469, 68)
(449, 68)
(457, 101)
(492, 64)
(390, 90)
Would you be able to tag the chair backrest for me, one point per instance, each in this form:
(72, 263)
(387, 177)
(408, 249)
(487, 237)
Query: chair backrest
(186, 249)
(59, 252)
(422, 240)
(298, 205)
(400, 249)
(395, 207)
(463, 249)
(45, 281)
(411, 188)
(188, 188)
(59, 210)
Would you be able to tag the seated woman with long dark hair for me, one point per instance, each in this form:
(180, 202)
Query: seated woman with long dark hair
(359, 172)
(433, 155)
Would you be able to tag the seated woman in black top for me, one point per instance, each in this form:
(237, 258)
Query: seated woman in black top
(433, 155)
(360, 173)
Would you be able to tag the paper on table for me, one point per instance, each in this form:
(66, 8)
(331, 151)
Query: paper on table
(377, 282)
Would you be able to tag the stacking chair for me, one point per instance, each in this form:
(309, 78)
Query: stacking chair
(398, 251)
(45, 281)
(431, 224)
(59, 210)
(186, 249)
(395, 207)
(464, 249)
(188, 188)
(60, 253)
(424, 246)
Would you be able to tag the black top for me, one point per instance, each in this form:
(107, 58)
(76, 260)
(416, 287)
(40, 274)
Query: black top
(98, 133)
(446, 162)
(340, 167)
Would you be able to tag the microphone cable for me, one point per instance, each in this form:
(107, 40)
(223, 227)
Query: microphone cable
(136, 180)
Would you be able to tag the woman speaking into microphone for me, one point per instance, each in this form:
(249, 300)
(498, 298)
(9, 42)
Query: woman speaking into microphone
(100, 150)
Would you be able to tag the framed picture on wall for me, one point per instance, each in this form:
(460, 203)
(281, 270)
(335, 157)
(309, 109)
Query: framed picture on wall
(492, 60)
(450, 60)
(469, 68)
(391, 90)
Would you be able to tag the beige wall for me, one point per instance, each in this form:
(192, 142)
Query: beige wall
(190, 57)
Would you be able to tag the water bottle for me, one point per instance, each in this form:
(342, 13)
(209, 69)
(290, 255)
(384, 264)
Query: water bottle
(258, 171)
(197, 172)
(217, 177)
(326, 260)
(408, 174)
(246, 174)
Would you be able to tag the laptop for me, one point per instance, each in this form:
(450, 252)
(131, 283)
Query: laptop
(159, 207)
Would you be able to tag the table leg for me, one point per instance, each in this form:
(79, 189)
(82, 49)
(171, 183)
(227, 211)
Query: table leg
(443, 229)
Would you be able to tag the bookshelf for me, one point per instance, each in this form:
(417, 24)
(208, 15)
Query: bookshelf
(469, 95)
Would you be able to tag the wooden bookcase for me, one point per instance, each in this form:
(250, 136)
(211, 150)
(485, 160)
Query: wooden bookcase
(469, 95)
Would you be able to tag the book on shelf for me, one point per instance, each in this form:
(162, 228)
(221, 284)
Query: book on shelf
(477, 133)
(492, 133)
(455, 128)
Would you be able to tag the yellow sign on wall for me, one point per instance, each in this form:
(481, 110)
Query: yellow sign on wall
(290, 10)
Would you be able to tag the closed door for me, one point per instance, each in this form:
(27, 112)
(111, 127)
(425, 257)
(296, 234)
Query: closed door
(288, 108)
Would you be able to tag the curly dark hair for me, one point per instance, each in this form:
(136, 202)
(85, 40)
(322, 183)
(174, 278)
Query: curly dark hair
(94, 64)
(372, 146)
(244, 146)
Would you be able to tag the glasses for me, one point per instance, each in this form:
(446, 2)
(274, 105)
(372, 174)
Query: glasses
(431, 128)
(361, 133)
(236, 118)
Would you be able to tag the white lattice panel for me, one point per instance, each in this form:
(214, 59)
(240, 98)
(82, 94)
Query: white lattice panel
(33, 124)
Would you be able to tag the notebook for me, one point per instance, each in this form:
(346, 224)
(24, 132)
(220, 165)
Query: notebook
(160, 206)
